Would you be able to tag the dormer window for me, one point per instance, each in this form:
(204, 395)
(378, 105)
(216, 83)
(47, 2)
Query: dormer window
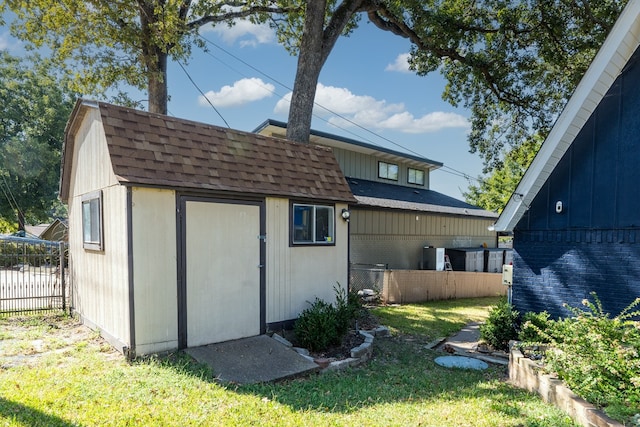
(415, 176)
(388, 171)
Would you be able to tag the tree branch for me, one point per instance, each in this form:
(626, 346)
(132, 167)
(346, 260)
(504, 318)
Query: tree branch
(229, 16)
(339, 20)
(385, 20)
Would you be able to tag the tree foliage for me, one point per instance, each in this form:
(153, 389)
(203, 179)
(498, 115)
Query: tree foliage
(129, 41)
(493, 190)
(513, 63)
(35, 108)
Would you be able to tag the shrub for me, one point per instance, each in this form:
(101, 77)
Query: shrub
(323, 324)
(348, 307)
(535, 328)
(598, 357)
(500, 326)
(317, 326)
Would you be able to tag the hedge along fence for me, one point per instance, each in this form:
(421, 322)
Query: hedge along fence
(411, 286)
(18, 252)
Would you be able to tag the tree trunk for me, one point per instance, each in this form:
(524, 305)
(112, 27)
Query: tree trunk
(310, 61)
(158, 84)
(154, 58)
(315, 46)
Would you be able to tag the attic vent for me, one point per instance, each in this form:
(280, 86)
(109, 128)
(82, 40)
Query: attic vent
(416, 191)
(354, 182)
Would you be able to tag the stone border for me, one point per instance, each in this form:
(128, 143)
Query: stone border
(359, 354)
(527, 374)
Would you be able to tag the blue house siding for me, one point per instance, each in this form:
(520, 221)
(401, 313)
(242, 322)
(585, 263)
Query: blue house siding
(556, 267)
(594, 243)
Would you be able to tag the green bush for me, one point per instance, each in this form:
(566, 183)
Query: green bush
(323, 324)
(598, 357)
(535, 328)
(317, 326)
(348, 308)
(500, 326)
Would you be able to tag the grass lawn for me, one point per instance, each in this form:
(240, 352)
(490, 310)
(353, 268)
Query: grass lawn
(52, 377)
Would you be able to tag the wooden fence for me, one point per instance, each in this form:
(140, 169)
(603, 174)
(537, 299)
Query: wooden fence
(410, 286)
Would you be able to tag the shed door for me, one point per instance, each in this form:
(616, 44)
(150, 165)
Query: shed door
(222, 267)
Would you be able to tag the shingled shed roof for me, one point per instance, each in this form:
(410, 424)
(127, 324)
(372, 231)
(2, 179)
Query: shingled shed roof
(156, 150)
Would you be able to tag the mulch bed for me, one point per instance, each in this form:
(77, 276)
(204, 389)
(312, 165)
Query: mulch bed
(352, 339)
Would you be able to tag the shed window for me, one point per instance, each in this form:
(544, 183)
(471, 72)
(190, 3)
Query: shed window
(388, 171)
(313, 225)
(92, 221)
(415, 176)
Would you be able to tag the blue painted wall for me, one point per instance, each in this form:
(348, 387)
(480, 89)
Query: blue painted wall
(594, 244)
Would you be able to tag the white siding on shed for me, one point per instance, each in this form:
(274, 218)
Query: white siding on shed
(154, 270)
(296, 275)
(102, 275)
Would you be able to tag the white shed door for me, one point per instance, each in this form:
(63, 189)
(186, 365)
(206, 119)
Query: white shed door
(222, 272)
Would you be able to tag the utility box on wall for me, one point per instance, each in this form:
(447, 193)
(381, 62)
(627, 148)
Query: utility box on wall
(433, 258)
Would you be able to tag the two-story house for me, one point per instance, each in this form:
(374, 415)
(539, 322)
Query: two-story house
(397, 215)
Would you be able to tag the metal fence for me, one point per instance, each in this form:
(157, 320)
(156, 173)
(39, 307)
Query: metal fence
(32, 276)
(366, 276)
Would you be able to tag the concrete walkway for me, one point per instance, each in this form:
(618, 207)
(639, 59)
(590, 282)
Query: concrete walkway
(252, 360)
(465, 343)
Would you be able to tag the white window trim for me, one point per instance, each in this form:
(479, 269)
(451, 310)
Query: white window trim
(313, 241)
(90, 244)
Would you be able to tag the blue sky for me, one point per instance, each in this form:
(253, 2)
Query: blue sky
(247, 76)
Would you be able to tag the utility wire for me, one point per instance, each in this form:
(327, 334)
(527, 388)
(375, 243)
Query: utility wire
(202, 93)
(450, 170)
(14, 205)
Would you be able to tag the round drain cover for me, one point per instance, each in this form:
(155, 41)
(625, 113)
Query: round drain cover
(461, 362)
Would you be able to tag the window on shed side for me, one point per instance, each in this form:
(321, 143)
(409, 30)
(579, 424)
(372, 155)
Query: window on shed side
(92, 221)
(313, 224)
(388, 171)
(415, 176)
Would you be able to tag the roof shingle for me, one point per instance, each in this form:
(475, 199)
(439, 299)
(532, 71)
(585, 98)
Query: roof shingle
(382, 195)
(156, 150)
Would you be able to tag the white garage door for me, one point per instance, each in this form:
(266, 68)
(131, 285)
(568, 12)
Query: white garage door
(222, 271)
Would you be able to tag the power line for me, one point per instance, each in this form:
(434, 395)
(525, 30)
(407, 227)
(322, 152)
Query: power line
(450, 170)
(14, 205)
(202, 93)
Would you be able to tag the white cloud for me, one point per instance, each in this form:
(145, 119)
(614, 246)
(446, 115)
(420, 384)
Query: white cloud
(401, 64)
(244, 32)
(242, 92)
(342, 106)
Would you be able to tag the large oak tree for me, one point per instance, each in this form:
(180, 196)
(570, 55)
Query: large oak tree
(513, 63)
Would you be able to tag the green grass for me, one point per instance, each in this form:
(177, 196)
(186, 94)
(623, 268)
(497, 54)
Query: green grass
(434, 319)
(86, 385)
